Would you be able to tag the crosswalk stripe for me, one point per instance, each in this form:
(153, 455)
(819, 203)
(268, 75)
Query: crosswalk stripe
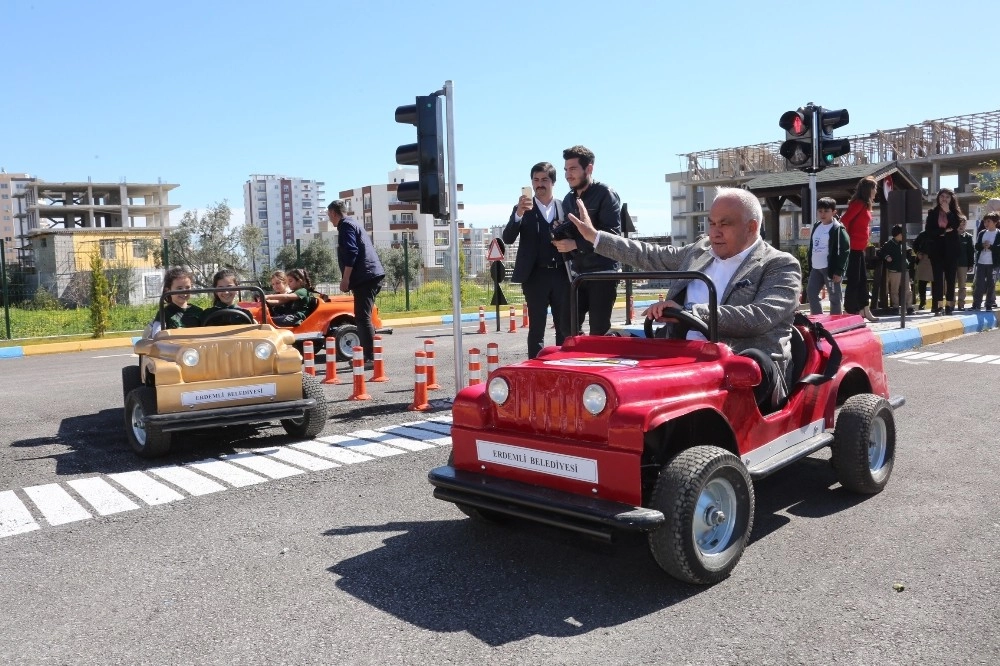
(331, 451)
(361, 446)
(188, 481)
(14, 516)
(985, 358)
(56, 505)
(439, 428)
(101, 495)
(386, 438)
(416, 433)
(263, 465)
(303, 460)
(441, 419)
(231, 474)
(962, 358)
(920, 355)
(904, 354)
(148, 490)
(939, 357)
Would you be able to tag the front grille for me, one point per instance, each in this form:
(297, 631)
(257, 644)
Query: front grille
(223, 360)
(546, 403)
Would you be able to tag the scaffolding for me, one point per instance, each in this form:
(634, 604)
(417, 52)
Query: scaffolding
(955, 135)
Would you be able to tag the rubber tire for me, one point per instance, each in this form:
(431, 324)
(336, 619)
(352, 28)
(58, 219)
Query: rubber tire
(139, 402)
(315, 418)
(861, 417)
(477, 514)
(676, 494)
(345, 347)
(131, 379)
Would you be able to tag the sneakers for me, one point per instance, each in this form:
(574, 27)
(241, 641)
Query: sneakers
(369, 365)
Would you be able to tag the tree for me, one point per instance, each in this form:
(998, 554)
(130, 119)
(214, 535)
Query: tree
(250, 238)
(100, 296)
(206, 244)
(989, 182)
(393, 262)
(317, 258)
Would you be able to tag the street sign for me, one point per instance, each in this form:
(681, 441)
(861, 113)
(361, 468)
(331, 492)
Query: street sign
(498, 271)
(495, 252)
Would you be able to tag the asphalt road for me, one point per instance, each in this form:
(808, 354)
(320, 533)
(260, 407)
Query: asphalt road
(359, 564)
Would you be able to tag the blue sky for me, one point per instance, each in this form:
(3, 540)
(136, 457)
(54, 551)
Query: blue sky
(204, 94)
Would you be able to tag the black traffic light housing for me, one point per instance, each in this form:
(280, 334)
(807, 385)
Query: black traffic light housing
(427, 154)
(797, 148)
(829, 149)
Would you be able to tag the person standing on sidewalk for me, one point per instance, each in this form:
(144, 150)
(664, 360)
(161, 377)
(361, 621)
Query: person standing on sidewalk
(894, 256)
(361, 271)
(966, 261)
(987, 259)
(605, 209)
(857, 219)
(923, 275)
(539, 267)
(829, 250)
(942, 240)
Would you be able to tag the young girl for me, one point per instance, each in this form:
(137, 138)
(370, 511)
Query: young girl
(176, 309)
(225, 303)
(293, 299)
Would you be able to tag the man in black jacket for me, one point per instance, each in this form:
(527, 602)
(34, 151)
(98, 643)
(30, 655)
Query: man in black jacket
(539, 267)
(604, 208)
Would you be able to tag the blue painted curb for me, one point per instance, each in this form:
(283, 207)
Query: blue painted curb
(977, 322)
(468, 316)
(900, 340)
(11, 352)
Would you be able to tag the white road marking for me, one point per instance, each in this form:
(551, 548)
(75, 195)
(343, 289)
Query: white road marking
(14, 516)
(303, 460)
(441, 419)
(920, 355)
(386, 438)
(417, 433)
(101, 495)
(56, 505)
(904, 354)
(190, 482)
(263, 465)
(116, 355)
(148, 490)
(939, 357)
(985, 358)
(438, 428)
(331, 451)
(361, 446)
(962, 358)
(231, 474)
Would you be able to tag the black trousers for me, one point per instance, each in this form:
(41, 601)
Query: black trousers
(944, 265)
(856, 290)
(597, 299)
(364, 303)
(546, 287)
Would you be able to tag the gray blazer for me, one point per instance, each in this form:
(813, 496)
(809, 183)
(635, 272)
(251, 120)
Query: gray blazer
(757, 308)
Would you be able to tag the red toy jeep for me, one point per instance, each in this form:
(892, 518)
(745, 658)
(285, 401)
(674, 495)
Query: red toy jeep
(665, 436)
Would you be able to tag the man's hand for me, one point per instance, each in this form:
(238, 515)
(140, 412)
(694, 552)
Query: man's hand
(583, 223)
(655, 311)
(524, 204)
(565, 245)
(344, 287)
(837, 279)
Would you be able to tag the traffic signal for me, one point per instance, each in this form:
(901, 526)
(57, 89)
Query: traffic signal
(829, 148)
(427, 154)
(798, 145)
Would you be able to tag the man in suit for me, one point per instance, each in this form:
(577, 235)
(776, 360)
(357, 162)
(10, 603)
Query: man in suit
(758, 286)
(539, 267)
(597, 298)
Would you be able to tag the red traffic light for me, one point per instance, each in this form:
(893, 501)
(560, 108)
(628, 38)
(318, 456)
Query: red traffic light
(794, 122)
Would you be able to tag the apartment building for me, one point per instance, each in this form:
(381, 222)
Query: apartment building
(286, 208)
(10, 227)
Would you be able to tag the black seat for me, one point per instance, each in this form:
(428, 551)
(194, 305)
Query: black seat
(800, 353)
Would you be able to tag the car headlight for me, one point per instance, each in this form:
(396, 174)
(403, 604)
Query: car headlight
(499, 390)
(190, 357)
(594, 399)
(263, 351)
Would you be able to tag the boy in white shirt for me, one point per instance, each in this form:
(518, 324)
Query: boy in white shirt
(986, 258)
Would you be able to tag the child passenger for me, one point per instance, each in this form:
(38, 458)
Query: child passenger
(292, 298)
(225, 302)
(177, 310)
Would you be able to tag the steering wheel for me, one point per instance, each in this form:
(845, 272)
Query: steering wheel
(688, 319)
(235, 317)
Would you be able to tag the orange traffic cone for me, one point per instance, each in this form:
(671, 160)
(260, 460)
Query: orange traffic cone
(331, 363)
(378, 367)
(492, 357)
(419, 383)
(432, 382)
(358, 363)
(513, 321)
(482, 321)
(308, 358)
(524, 316)
(475, 372)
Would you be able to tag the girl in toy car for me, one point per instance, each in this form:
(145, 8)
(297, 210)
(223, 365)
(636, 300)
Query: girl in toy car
(224, 310)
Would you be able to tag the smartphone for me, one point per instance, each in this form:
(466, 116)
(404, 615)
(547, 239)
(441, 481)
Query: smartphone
(526, 192)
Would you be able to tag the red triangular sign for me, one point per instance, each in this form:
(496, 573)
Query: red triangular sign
(495, 253)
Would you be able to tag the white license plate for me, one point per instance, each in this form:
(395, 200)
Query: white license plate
(543, 462)
(252, 392)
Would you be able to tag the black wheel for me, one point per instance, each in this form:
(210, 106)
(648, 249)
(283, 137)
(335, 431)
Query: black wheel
(147, 440)
(707, 497)
(314, 420)
(131, 379)
(864, 443)
(346, 339)
(477, 514)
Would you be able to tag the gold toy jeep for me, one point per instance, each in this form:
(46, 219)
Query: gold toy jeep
(211, 376)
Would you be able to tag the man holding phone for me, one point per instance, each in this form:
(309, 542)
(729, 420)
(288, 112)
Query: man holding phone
(605, 209)
(539, 267)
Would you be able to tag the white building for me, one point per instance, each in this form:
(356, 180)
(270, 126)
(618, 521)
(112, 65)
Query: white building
(286, 208)
(12, 184)
(390, 220)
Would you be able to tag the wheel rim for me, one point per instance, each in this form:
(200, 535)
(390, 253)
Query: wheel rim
(715, 517)
(878, 445)
(348, 343)
(138, 424)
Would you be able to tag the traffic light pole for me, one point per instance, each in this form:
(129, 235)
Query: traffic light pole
(814, 119)
(456, 278)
